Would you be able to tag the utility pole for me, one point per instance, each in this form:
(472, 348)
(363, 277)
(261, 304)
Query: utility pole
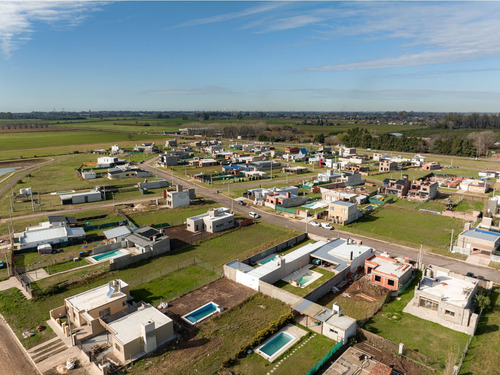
(451, 240)
(32, 204)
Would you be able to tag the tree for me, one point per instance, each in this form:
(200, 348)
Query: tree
(320, 138)
(482, 302)
(483, 141)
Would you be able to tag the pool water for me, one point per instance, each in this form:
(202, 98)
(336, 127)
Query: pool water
(107, 255)
(305, 278)
(276, 343)
(268, 260)
(201, 313)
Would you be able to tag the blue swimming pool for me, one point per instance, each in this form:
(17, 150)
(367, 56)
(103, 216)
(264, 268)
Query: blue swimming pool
(109, 254)
(201, 313)
(305, 278)
(276, 343)
(268, 259)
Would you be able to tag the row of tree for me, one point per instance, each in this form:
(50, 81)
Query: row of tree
(472, 121)
(476, 144)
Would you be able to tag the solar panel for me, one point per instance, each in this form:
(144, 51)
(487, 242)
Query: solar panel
(110, 292)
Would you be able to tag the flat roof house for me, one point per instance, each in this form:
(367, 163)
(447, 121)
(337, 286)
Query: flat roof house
(147, 239)
(343, 213)
(396, 187)
(354, 361)
(286, 199)
(445, 298)
(431, 166)
(126, 172)
(179, 197)
(215, 220)
(387, 166)
(479, 241)
(422, 191)
(116, 234)
(388, 272)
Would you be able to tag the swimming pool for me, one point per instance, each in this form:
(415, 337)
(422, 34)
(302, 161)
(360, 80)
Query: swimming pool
(109, 254)
(201, 313)
(305, 278)
(276, 343)
(268, 260)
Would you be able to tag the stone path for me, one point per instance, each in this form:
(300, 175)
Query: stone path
(275, 368)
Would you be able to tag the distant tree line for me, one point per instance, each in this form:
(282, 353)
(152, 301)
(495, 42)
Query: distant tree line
(359, 137)
(469, 121)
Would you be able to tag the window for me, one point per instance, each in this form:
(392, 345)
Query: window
(118, 347)
(449, 312)
(332, 330)
(378, 278)
(428, 303)
(390, 282)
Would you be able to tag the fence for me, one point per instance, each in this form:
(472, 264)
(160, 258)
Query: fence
(327, 357)
(125, 217)
(403, 287)
(288, 243)
(22, 279)
(105, 225)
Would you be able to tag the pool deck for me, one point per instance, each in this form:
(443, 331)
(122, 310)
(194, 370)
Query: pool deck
(294, 331)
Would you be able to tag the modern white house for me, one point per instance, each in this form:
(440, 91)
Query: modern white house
(84, 197)
(58, 233)
(215, 220)
(179, 197)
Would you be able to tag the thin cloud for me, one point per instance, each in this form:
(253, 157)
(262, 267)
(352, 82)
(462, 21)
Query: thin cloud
(200, 91)
(17, 18)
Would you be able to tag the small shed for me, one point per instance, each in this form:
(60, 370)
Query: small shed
(44, 249)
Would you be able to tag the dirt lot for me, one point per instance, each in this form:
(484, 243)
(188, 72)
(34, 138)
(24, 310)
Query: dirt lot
(180, 237)
(13, 359)
(400, 364)
(223, 292)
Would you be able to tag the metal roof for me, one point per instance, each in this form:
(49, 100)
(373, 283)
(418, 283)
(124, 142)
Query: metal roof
(116, 232)
(481, 235)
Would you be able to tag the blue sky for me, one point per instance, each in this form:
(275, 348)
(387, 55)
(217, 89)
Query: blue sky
(307, 56)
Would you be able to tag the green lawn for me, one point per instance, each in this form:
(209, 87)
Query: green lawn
(216, 345)
(327, 275)
(357, 309)
(395, 325)
(408, 227)
(299, 362)
(482, 357)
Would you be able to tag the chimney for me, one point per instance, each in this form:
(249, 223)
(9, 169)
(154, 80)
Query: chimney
(148, 334)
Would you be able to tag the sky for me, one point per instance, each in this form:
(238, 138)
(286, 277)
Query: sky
(250, 56)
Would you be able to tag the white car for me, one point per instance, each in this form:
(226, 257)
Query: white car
(255, 215)
(314, 223)
(326, 226)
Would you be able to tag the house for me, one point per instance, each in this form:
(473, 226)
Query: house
(260, 194)
(343, 213)
(387, 166)
(490, 173)
(292, 150)
(388, 272)
(417, 160)
(294, 157)
(431, 166)
(445, 298)
(55, 233)
(109, 162)
(477, 241)
(357, 168)
(147, 148)
(127, 172)
(356, 159)
(422, 191)
(474, 186)
(295, 170)
(346, 151)
(355, 361)
(328, 176)
(85, 197)
(146, 239)
(131, 331)
(351, 178)
(117, 234)
(171, 143)
(179, 197)
(264, 165)
(89, 175)
(155, 184)
(207, 162)
(215, 220)
(396, 187)
(338, 326)
(115, 149)
(167, 160)
(70, 221)
(286, 199)
(378, 156)
(140, 332)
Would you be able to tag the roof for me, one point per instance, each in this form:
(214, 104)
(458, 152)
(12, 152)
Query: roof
(342, 203)
(45, 234)
(96, 297)
(116, 232)
(389, 266)
(339, 252)
(69, 196)
(62, 219)
(343, 322)
(447, 288)
(139, 240)
(147, 231)
(357, 362)
(129, 328)
(311, 309)
(481, 235)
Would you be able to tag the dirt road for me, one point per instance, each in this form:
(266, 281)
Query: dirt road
(13, 359)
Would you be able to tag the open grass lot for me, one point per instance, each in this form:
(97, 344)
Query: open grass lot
(482, 357)
(408, 228)
(395, 325)
(215, 342)
(413, 174)
(298, 363)
(309, 288)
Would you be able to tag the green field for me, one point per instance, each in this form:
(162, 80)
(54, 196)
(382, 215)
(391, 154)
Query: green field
(410, 228)
(482, 357)
(285, 285)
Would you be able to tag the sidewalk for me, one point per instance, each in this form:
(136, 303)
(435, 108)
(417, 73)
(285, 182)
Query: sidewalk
(12, 282)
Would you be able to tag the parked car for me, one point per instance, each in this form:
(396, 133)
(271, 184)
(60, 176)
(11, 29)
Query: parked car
(255, 215)
(2, 264)
(326, 226)
(241, 203)
(469, 274)
(314, 223)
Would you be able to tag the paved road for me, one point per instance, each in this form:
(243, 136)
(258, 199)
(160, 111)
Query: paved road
(13, 359)
(394, 249)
